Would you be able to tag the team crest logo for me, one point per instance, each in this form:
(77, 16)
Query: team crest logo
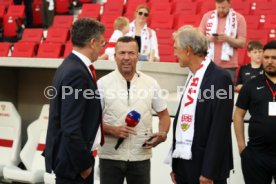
(186, 120)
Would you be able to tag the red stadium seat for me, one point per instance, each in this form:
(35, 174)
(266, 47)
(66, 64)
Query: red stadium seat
(158, 1)
(186, 1)
(161, 21)
(91, 8)
(63, 21)
(189, 8)
(32, 35)
(261, 35)
(68, 49)
(130, 8)
(62, 6)
(160, 7)
(4, 49)
(268, 8)
(6, 3)
(2, 12)
(243, 7)
(108, 32)
(113, 8)
(137, 1)
(37, 12)
(183, 19)
(49, 50)
(241, 56)
(11, 25)
(13, 20)
(252, 21)
(130, 16)
(166, 53)
(164, 36)
(24, 49)
(269, 22)
(117, 1)
(57, 35)
(85, 1)
(108, 20)
(16, 11)
(92, 14)
(205, 6)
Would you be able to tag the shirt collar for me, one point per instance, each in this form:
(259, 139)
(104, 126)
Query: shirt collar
(83, 58)
(87, 62)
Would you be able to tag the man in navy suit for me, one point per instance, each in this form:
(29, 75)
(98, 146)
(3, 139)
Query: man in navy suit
(202, 147)
(75, 112)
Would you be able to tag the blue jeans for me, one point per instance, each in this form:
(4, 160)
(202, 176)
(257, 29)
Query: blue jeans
(114, 172)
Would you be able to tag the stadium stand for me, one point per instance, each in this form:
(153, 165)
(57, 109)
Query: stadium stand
(24, 49)
(4, 49)
(49, 50)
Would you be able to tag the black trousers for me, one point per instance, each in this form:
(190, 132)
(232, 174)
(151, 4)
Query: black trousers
(28, 10)
(78, 180)
(114, 172)
(257, 167)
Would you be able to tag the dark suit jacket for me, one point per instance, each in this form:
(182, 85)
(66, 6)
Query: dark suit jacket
(73, 120)
(212, 144)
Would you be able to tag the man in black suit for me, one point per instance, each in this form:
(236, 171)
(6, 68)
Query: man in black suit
(202, 147)
(75, 112)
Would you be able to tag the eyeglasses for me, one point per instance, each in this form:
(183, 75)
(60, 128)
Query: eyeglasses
(142, 13)
(103, 43)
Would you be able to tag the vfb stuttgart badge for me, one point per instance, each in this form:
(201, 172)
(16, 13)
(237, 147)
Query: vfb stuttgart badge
(186, 120)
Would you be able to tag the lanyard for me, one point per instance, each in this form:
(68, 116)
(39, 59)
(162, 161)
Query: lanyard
(272, 92)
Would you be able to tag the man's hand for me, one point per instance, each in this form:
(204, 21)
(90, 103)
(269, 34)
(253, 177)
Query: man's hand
(123, 131)
(222, 38)
(173, 177)
(155, 139)
(84, 174)
(204, 180)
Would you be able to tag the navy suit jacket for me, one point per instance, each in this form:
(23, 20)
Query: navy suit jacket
(73, 120)
(212, 144)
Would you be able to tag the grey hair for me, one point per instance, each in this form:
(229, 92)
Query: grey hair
(192, 37)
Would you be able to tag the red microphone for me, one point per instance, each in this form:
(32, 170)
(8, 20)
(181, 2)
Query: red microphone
(132, 119)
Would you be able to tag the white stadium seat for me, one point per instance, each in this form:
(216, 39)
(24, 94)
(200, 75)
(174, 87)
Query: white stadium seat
(10, 135)
(31, 153)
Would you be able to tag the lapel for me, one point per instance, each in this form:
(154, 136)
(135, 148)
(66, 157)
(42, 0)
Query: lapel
(206, 77)
(77, 60)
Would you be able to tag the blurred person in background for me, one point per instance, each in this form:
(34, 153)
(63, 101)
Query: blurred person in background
(254, 68)
(145, 36)
(28, 10)
(226, 32)
(48, 13)
(121, 27)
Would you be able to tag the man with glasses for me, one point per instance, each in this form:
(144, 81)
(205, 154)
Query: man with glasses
(122, 91)
(258, 96)
(75, 114)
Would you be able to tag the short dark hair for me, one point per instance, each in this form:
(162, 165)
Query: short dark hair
(254, 44)
(221, 1)
(85, 29)
(270, 45)
(127, 39)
